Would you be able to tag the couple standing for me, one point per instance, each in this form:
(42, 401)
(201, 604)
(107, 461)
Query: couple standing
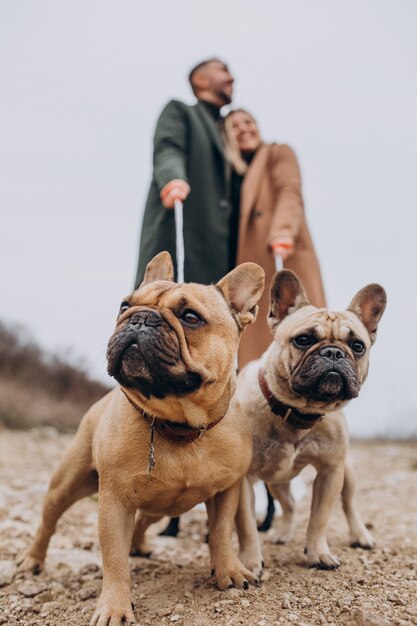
(242, 197)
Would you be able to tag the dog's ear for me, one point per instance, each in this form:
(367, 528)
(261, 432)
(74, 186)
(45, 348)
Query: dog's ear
(242, 288)
(369, 304)
(159, 268)
(286, 296)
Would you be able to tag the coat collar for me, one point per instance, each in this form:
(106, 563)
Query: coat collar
(211, 127)
(251, 184)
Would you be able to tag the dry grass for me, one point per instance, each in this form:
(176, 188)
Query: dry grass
(41, 389)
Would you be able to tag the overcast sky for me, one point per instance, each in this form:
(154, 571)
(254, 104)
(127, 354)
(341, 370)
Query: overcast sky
(81, 85)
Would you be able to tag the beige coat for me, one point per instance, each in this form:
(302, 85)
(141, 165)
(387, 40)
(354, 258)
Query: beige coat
(271, 205)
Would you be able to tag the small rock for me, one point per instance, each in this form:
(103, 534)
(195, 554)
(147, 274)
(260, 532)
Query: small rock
(188, 595)
(245, 603)
(7, 570)
(52, 606)
(45, 596)
(90, 568)
(175, 618)
(87, 592)
(31, 589)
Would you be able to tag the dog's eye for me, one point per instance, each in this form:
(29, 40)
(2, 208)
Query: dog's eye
(124, 307)
(358, 347)
(303, 341)
(190, 318)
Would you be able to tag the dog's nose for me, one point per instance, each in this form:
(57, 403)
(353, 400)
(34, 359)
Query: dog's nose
(332, 352)
(148, 317)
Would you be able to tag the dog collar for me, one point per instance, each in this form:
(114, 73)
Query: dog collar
(173, 432)
(290, 415)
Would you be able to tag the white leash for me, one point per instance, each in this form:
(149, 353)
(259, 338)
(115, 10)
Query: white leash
(279, 263)
(179, 239)
(179, 243)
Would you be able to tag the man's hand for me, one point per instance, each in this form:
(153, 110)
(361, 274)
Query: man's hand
(283, 247)
(176, 189)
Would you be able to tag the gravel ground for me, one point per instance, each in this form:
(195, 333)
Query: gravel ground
(174, 585)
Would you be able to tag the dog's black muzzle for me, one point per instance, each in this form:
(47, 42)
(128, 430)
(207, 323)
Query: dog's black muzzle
(145, 354)
(326, 375)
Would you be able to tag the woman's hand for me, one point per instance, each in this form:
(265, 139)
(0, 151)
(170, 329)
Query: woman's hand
(283, 247)
(176, 189)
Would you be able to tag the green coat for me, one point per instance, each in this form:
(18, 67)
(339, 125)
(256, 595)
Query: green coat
(187, 145)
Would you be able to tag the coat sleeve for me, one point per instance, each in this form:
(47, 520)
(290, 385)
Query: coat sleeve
(288, 212)
(171, 144)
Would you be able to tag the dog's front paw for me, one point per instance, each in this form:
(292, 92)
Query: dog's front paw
(234, 574)
(322, 560)
(29, 563)
(113, 610)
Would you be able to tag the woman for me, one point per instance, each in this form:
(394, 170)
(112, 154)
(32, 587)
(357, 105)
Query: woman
(267, 184)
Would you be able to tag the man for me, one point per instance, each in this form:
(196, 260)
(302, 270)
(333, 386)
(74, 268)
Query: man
(189, 165)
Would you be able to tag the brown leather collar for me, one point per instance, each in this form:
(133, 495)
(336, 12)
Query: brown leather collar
(173, 431)
(290, 415)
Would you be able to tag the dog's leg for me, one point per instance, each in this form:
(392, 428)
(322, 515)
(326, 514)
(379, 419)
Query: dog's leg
(264, 526)
(360, 537)
(139, 546)
(73, 479)
(285, 531)
(249, 543)
(327, 486)
(115, 524)
(229, 571)
(172, 529)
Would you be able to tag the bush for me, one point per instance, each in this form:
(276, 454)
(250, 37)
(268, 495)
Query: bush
(40, 388)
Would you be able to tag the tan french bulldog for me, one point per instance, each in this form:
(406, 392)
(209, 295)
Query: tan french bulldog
(164, 440)
(293, 396)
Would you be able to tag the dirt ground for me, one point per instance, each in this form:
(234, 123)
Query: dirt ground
(370, 588)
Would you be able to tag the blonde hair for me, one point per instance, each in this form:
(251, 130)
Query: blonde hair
(232, 151)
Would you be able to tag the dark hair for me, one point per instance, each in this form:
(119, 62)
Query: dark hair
(198, 67)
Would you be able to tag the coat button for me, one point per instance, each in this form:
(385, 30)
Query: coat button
(224, 204)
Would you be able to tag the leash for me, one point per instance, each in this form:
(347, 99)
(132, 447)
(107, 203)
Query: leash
(279, 263)
(179, 239)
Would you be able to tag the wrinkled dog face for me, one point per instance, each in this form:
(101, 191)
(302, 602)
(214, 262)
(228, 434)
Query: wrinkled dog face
(145, 351)
(322, 356)
(173, 339)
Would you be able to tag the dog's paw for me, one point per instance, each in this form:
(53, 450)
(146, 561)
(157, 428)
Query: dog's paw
(29, 563)
(281, 535)
(142, 549)
(109, 611)
(252, 560)
(324, 560)
(138, 552)
(363, 539)
(234, 575)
